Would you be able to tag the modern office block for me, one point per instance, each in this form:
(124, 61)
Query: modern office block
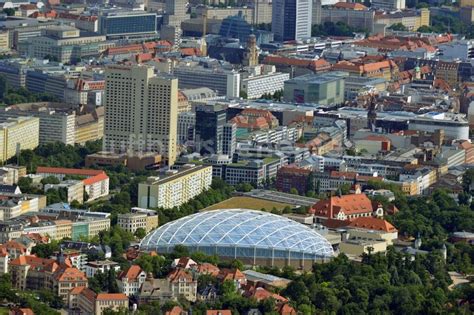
(292, 19)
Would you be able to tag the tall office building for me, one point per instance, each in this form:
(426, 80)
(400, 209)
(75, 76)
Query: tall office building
(209, 130)
(141, 111)
(176, 12)
(229, 139)
(291, 19)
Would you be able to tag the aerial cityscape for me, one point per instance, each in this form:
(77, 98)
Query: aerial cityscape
(227, 157)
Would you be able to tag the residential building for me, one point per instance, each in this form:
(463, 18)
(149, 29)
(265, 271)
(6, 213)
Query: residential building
(103, 266)
(34, 273)
(16, 134)
(355, 15)
(67, 278)
(56, 121)
(132, 221)
(86, 301)
(141, 124)
(291, 19)
(183, 284)
(14, 205)
(389, 4)
(96, 182)
(411, 19)
(89, 126)
(175, 188)
(323, 89)
(4, 44)
(74, 188)
(130, 280)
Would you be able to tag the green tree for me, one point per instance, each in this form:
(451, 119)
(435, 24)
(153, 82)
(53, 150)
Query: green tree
(398, 27)
(9, 11)
(140, 233)
(46, 250)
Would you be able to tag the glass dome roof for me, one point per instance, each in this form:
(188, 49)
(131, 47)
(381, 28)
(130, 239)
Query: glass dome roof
(262, 232)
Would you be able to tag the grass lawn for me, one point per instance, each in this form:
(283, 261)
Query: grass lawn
(247, 203)
(3, 311)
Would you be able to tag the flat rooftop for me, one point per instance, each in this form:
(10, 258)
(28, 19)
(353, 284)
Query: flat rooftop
(281, 197)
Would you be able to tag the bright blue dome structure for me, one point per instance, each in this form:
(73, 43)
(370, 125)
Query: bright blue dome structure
(249, 235)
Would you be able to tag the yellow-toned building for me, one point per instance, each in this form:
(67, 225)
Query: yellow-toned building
(90, 127)
(63, 229)
(96, 225)
(4, 46)
(466, 3)
(175, 187)
(21, 133)
(132, 221)
(412, 20)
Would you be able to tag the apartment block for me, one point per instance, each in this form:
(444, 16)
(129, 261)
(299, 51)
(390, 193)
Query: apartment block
(55, 124)
(74, 188)
(18, 134)
(175, 187)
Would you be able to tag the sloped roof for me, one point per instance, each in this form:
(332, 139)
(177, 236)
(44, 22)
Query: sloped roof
(370, 223)
(349, 204)
(131, 273)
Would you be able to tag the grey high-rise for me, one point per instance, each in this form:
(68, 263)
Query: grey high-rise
(291, 19)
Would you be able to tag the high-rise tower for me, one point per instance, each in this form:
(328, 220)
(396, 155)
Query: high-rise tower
(291, 19)
(141, 111)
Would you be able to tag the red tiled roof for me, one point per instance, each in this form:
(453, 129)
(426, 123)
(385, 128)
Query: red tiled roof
(207, 268)
(77, 290)
(176, 310)
(349, 204)
(350, 6)
(370, 223)
(228, 274)
(111, 296)
(218, 312)
(131, 273)
(67, 171)
(178, 274)
(70, 274)
(95, 179)
(36, 262)
(261, 294)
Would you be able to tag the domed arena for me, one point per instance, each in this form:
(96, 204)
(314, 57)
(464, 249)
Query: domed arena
(254, 237)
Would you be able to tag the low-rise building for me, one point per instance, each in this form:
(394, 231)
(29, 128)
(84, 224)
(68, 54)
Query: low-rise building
(175, 188)
(74, 189)
(103, 266)
(96, 182)
(132, 221)
(183, 284)
(130, 280)
(86, 301)
(346, 208)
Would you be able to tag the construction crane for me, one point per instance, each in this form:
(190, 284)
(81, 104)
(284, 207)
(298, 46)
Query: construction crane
(203, 38)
